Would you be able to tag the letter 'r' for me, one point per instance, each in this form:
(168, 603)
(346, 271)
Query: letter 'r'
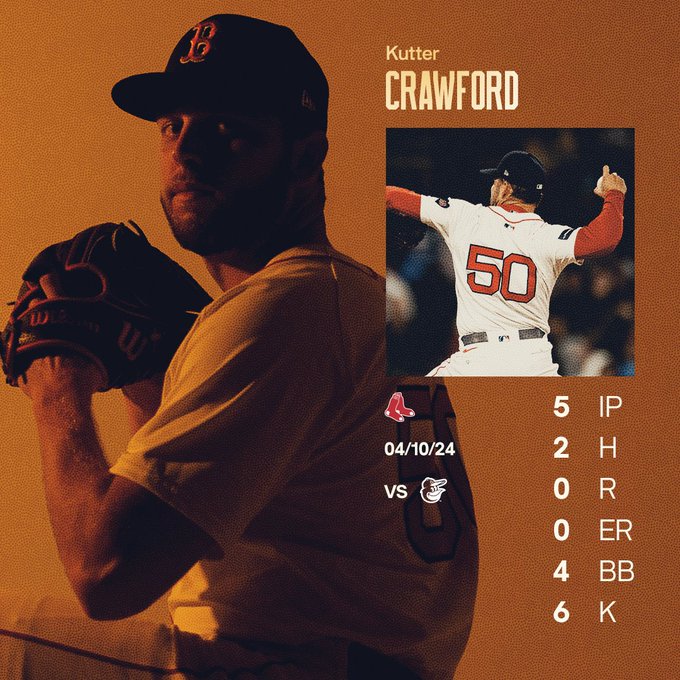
(200, 43)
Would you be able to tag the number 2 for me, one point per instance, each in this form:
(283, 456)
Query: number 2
(500, 276)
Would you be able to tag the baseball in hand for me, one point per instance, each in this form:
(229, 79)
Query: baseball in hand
(599, 181)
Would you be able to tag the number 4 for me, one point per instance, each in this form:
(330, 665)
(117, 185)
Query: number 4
(561, 571)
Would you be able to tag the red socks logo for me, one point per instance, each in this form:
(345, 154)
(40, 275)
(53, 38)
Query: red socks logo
(396, 409)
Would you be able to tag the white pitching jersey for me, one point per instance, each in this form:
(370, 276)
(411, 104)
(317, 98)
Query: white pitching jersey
(506, 263)
(271, 437)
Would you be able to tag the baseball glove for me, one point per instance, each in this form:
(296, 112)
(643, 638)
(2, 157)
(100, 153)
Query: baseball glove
(404, 233)
(106, 294)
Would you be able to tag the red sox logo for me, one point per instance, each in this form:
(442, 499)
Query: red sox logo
(200, 43)
(397, 409)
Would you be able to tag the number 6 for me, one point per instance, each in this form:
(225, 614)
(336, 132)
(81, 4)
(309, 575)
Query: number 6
(561, 613)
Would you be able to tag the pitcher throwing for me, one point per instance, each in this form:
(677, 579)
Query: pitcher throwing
(506, 260)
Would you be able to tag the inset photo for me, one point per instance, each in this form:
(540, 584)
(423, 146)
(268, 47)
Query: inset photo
(510, 252)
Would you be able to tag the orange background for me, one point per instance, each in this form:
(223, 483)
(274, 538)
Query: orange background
(71, 159)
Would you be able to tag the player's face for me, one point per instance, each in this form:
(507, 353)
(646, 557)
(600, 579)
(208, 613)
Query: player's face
(224, 178)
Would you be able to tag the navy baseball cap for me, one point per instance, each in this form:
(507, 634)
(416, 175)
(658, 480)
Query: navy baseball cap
(233, 62)
(520, 168)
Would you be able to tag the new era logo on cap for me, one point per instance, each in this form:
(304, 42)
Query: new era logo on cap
(307, 101)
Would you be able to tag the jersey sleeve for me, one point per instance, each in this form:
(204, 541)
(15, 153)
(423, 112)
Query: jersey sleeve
(602, 235)
(556, 245)
(403, 201)
(443, 214)
(244, 407)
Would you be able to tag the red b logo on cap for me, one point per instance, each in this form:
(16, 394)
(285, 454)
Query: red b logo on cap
(200, 43)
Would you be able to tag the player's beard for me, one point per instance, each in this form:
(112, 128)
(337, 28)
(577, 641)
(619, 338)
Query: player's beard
(246, 221)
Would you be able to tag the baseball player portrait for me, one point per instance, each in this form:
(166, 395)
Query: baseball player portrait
(255, 486)
(505, 257)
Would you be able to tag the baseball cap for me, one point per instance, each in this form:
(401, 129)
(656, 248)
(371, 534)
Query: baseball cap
(520, 168)
(235, 62)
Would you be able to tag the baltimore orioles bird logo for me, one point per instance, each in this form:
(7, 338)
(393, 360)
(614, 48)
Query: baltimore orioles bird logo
(431, 489)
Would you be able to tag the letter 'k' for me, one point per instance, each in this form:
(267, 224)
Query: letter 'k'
(396, 409)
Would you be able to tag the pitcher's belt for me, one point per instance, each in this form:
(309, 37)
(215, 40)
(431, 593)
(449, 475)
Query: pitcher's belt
(522, 334)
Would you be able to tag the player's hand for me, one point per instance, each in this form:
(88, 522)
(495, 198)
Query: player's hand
(53, 376)
(608, 182)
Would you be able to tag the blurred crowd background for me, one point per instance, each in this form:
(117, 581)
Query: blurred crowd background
(592, 307)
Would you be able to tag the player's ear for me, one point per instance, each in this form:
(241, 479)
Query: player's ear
(308, 155)
(504, 190)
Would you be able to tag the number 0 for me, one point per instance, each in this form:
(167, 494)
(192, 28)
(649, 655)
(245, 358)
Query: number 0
(561, 529)
(561, 488)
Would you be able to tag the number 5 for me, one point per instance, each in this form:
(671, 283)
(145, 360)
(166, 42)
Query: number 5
(561, 408)
(438, 542)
